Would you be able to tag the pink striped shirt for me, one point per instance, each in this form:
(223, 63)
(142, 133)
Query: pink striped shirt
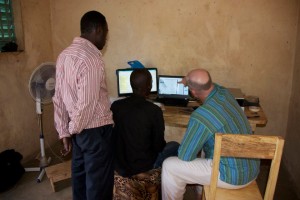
(81, 99)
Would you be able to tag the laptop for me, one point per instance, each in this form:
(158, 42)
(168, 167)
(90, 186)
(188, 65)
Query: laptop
(171, 92)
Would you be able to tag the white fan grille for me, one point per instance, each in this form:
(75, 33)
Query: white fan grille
(42, 83)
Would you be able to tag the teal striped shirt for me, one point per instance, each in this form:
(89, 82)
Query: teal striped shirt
(219, 113)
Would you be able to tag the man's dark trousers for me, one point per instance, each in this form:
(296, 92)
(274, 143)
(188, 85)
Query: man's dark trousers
(92, 164)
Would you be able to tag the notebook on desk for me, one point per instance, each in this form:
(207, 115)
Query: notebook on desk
(171, 92)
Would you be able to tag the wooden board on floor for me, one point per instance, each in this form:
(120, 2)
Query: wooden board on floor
(59, 175)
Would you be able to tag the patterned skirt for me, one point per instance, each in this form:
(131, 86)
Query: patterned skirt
(143, 186)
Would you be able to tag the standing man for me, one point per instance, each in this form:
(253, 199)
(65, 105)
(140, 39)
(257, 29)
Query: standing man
(82, 113)
(220, 112)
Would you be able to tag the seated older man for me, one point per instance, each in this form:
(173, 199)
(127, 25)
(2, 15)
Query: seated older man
(220, 112)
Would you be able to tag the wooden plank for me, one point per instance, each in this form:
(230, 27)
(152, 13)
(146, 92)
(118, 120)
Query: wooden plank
(179, 116)
(249, 146)
(251, 192)
(259, 118)
(59, 175)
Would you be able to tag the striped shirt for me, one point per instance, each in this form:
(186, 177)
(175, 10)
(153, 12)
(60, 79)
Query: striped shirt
(81, 99)
(219, 113)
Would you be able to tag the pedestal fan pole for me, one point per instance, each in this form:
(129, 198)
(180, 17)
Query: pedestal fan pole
(42, 145)
(41, 87)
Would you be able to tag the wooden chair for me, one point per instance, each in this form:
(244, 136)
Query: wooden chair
(245, 146)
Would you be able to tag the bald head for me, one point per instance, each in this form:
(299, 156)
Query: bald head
(141, 82)
(199, 79)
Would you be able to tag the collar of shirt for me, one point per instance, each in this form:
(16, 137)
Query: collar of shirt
(212, 93)
(83, 41)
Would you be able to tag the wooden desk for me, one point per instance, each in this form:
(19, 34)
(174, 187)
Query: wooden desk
(258, 118)
(177, 118)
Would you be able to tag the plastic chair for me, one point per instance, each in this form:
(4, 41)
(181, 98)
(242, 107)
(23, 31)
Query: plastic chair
(245, 146)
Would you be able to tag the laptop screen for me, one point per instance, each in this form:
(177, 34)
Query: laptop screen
(169, 87)
(123, 81)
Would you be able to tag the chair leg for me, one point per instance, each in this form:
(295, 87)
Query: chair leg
(203, 195)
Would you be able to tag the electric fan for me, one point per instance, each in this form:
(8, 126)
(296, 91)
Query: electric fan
(42, 88)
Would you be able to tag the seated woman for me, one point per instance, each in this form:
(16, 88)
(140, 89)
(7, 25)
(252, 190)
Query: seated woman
(139, 129)
(140, 147)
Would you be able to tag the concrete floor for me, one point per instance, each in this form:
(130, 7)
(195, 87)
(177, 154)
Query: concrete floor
(28, 189)
(285, 189)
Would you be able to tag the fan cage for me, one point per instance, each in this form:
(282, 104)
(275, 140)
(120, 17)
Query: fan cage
(42, 83)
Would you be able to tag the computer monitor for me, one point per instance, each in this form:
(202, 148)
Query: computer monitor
(123, 81)
(169, 87)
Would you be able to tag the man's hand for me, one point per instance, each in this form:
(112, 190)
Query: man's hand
(67, 146)
(183, 81)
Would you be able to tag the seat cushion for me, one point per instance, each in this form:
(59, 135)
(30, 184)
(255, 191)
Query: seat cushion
(143, 186)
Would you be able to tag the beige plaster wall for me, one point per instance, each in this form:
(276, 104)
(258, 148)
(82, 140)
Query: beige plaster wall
(18, 121)
(292, 139)
(246, 44)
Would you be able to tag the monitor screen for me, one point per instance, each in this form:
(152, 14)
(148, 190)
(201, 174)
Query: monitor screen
(123, 81)
(169, 87)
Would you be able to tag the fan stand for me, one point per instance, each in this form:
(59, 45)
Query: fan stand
(44, 162)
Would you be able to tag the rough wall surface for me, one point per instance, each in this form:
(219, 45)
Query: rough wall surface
(245, 44)
(19, 128)
(292, 139)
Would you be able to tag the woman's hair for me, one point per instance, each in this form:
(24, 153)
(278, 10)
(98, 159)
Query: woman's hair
(141, 81)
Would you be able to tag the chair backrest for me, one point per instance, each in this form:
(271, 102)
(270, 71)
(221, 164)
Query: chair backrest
(248, 146)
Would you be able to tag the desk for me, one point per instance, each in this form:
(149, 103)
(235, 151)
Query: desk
(259, 118)
(177, 118)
